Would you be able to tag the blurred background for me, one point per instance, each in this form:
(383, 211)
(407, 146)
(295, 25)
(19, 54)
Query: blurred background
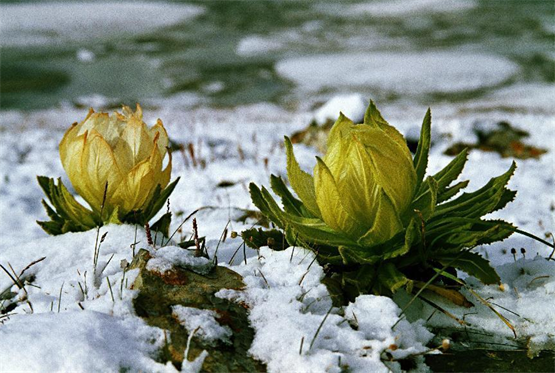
(294, 54)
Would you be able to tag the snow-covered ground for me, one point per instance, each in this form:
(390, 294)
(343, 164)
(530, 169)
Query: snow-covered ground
(67, 320)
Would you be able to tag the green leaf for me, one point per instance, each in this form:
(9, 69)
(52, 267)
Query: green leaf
(426, 202)
(450, 192)
(162, 225)
(352, 256)
(313, 230)
(66, 214)
(260, 202)
(471, 263)
(301, 182)
(290, 204)
(480, 202)
(423, 149)
(361, 279)
(451, 172)
(156, 203)
(390, 277)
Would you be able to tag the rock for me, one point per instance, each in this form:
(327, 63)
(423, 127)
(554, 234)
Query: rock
(158, 292)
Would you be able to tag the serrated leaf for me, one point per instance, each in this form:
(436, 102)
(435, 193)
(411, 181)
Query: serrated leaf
(471, 263)
(312, 229)
(450, 192)
(290, 204)
(427, 201)
(157, 203)
(480, 202)
(353, 256)
(451, 172)
(301, 182)
(260, 202)
(423, 149)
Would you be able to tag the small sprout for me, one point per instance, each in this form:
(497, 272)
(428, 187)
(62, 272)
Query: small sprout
(393, 347)
(445, 344)
(502, 287)
(233, 234)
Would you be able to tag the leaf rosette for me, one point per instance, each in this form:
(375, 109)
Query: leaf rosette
(375, 219)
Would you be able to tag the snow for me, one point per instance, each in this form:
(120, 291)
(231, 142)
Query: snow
(397, 8)
(77, 341)
(167, 257)
(232, 145)
(59, 22)
(406, 73)
(353, 106)
(202, 323)
(288, 303)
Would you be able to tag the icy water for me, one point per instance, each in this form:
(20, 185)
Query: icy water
(291, 53)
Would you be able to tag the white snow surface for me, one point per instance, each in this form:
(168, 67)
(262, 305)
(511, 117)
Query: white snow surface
(202, 323)
(288, 304)
(408, 73)
(238, 146)
(59, 22)
(396, 8)
(351, 105)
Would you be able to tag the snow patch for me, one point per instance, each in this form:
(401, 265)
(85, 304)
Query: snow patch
(48, 23)
(202, 323)
(405, 73)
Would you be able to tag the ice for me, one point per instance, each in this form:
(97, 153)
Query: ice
(254, 44)
(47, 23)
(405, 7)
(403, 73)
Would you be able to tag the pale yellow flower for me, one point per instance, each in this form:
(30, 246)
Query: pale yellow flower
(120, 151)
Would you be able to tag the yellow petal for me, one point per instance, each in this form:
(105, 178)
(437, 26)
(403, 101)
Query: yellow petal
(98, 167)
(158, 131)
(356, 183)
(392, 170)
(134, 145)
(386, 224)
(331, 206)
(340, 130)
(136, 188)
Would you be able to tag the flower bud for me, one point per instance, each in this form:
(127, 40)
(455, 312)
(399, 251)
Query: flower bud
(119, 151)
(365, 183)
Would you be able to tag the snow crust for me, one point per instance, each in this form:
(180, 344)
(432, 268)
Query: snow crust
(407, 73)
(405, 7)
(58, 22)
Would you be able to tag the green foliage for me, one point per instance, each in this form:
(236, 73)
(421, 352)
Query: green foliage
(68, 215)
(438, 229)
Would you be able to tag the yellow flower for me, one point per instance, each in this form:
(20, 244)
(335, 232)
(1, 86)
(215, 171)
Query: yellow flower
(364, 184)
(120, 151)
